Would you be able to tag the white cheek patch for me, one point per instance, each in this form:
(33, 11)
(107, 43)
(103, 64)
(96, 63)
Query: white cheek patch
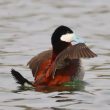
(67, 37)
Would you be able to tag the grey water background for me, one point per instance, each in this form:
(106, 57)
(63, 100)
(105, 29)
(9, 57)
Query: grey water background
(26, 27)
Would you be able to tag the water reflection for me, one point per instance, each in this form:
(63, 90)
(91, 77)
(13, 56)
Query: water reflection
(70, 86)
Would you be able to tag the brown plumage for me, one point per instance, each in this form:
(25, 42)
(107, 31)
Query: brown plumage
(64, 58)
(36, 61)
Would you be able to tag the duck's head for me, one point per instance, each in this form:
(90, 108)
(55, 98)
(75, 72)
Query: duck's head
(62, 38)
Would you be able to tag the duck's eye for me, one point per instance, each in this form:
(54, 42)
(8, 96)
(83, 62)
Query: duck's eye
(68, 32)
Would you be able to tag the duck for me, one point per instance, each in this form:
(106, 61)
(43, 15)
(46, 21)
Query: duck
(61, 63)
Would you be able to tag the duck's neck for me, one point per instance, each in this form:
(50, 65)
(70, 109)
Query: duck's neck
(57, 49)
(54, 55)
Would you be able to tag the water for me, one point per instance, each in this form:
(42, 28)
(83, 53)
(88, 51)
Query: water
(25, 30)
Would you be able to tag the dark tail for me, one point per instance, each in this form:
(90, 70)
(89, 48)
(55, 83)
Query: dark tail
(19, 78)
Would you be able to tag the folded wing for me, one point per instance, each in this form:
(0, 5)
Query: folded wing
(36, 61)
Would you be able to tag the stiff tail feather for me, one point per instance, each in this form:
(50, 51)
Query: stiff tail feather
(19, 78)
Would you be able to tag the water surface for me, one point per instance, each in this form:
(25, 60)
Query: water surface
(25, 30)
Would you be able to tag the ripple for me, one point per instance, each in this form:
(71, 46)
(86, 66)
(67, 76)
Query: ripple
(25, 30)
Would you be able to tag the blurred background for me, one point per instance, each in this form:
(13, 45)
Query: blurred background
(26, 27)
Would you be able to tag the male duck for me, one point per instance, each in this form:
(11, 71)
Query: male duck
(61, 63)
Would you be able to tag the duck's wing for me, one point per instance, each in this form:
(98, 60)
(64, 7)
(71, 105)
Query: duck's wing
(71, 53)
(75, 52)
(36, 61)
